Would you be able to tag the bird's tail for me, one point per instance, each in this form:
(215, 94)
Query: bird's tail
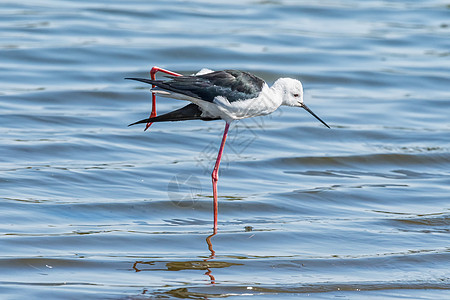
(188, 112)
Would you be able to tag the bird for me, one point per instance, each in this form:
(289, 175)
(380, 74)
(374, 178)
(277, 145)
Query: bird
(226, 95)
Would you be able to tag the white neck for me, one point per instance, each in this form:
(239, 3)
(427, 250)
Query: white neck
(279, 89)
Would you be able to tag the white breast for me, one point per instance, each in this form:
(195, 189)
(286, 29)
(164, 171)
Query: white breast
(267, 102)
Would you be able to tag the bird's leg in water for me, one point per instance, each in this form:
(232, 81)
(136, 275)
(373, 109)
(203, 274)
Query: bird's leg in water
(215, 175)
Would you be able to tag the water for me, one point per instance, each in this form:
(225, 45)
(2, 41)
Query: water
(93, 209)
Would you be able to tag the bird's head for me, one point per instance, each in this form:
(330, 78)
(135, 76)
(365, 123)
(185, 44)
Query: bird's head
(292, 94)
(291, 91)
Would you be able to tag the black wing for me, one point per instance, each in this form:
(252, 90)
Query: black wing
(189, 112)
(232, 84)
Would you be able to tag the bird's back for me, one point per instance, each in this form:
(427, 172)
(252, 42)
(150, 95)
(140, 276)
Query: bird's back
(233, 85)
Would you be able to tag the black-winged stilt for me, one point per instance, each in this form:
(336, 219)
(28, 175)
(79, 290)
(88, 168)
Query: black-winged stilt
(222, 95)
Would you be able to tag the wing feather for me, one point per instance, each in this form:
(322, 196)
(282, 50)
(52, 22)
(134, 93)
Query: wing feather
(232, 84)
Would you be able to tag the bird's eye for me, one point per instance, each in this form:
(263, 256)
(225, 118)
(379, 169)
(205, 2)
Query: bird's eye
(296, 95)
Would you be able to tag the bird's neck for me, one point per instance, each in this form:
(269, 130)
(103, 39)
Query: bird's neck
(278, 89)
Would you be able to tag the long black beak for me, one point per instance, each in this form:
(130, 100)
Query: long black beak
(310, 111)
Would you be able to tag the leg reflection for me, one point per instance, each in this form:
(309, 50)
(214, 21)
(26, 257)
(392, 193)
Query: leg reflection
(210, 246)
(211, 256)
(185, 263)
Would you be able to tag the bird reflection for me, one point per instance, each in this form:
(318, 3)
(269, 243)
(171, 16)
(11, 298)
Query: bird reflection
(212, 256)
(206, 264)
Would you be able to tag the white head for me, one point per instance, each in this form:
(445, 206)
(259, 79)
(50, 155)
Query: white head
(291, 91)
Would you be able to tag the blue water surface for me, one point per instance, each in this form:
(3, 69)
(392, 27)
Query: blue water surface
(93, 209)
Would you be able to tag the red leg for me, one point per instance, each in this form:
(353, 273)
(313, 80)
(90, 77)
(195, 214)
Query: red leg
(153, 72)
(215, 175)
